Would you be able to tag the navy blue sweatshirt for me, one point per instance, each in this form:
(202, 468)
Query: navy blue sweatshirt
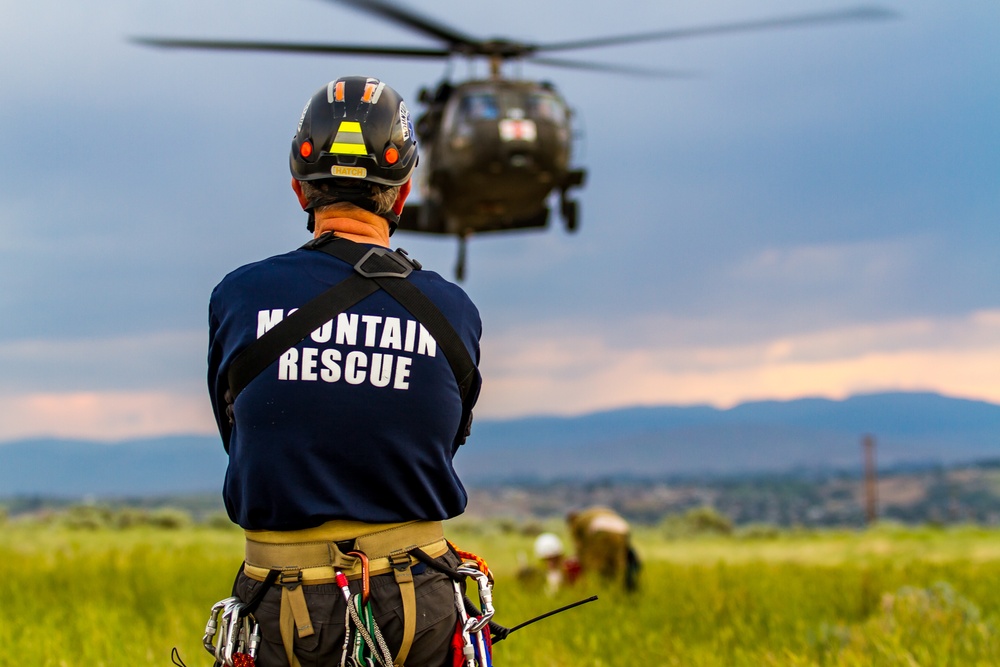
(358, 421)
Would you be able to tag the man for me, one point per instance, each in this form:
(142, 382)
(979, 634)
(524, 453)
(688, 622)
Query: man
(340, 451)
(603, 546)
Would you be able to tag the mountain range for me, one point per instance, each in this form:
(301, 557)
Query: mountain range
(810, 434)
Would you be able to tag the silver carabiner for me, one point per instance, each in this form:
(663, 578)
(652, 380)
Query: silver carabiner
(247, 637)
(477, 623)
(212, 626)
(234, 632)
(468, 652)
(253, 638)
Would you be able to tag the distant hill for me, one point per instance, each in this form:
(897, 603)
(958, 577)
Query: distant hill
(146, 467)
(769, 436)
(765, 436)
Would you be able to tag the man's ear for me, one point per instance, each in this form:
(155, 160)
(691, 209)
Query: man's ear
(404, 192)
(297, 187)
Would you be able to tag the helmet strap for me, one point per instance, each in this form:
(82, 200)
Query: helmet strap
(393, 221)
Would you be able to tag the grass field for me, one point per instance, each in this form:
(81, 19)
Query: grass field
(101, 596)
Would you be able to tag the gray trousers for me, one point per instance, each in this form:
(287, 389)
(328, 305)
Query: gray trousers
(435, 627)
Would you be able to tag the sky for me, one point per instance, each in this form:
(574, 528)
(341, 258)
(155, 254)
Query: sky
(810, 212)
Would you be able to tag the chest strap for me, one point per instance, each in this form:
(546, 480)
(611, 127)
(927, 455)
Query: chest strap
(375, 269)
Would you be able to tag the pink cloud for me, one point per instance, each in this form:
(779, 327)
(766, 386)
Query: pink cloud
(104, 415)
(585, 372)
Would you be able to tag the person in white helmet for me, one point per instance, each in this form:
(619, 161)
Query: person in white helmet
(558, 569)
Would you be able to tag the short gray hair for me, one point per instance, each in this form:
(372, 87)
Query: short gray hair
(326, 192)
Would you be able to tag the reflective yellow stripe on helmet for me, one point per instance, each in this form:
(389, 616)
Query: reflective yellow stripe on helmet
(349, 140)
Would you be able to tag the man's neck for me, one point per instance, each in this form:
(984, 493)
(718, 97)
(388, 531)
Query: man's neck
(360, 227)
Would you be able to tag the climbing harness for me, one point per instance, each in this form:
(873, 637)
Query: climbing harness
(295, 559)
(232, 635)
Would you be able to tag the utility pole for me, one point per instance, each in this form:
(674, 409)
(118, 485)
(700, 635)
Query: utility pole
(871, 480)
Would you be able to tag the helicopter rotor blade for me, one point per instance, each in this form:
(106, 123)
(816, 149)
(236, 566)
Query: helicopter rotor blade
(459, 43)
(411, 19)
(612, 68)
(292, 47)
(842, 16)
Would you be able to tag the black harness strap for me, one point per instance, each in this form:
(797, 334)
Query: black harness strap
(375, 268)
(415, 301)
(287, 333)
(497, 631)
(258, 596)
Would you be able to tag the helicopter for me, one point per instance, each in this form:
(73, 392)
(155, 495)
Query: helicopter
(496, 151)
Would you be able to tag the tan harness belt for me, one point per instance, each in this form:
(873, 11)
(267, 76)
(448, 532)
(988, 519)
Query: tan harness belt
(311, 556)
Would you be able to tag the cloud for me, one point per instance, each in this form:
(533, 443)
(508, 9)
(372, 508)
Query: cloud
(165, 359)
(104, 415)
(738, 228)
(133, 386)
(105, 388)
(567, 372)
(874, 260)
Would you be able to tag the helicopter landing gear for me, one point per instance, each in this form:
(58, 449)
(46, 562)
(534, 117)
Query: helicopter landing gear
(570, 210)
(460, 263)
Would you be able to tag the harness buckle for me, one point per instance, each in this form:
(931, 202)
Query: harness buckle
(290, 579)
(386, 264)
(400, 560)
(416, 265)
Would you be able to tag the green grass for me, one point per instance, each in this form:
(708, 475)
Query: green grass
(101, 596)
(109, 597)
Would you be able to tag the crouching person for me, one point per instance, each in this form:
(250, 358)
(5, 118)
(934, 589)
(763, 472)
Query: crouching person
(603, 543)
(341, 413)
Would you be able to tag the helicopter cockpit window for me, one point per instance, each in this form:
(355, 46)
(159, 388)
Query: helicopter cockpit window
(480, 106)
(547, 107)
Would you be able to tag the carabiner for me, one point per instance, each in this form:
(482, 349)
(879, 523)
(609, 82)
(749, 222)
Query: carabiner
(477, 623)
(234, 630)
(468, 651)
(365, 575)
(212, 626)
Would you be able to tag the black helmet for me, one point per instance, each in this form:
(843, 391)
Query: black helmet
(355, 128)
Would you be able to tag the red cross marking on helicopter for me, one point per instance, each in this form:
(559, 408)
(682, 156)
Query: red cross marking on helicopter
(513, 129)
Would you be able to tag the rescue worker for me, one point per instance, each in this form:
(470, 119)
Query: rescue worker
(603, 543)
(340, 451)
(558, 568)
